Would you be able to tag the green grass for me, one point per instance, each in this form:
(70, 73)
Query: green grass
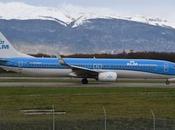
(126, 107)
(87, 103)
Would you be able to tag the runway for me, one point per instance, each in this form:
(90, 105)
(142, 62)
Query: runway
(55, 82)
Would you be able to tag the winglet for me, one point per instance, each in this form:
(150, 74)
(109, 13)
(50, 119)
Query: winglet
(61, 60)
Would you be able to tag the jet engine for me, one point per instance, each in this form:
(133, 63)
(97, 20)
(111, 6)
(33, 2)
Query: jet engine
(107, 76)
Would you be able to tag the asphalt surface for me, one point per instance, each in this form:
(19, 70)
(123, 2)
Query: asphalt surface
(14, 82)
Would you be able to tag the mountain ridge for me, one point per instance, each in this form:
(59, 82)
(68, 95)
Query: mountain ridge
(48, 30)
(95, 36)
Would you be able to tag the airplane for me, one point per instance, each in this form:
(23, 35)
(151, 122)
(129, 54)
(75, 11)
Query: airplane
(84, 68)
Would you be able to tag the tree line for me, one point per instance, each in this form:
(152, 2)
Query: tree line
(132, 55)
(123, 55)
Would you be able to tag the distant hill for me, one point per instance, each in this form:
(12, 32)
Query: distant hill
(93, 36)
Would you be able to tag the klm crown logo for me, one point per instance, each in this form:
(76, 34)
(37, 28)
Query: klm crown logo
(132, 63)
(3, 46)
(1, 41)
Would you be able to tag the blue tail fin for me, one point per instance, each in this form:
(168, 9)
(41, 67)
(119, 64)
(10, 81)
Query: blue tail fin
(7, 50)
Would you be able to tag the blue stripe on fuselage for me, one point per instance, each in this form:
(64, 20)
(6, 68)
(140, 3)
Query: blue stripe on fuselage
(151, 66)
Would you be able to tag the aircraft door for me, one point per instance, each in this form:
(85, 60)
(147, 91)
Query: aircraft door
(20, 65)
(166, 67)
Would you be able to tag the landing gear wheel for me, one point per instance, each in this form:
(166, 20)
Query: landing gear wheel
(84, 81)
(167, 82)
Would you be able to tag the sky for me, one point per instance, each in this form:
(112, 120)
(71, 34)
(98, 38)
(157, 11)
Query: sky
(163, 9)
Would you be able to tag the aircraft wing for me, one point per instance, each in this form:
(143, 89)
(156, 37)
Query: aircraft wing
(80, 72)
(84, 72)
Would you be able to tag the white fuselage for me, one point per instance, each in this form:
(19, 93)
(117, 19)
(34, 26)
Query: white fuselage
(44, 72)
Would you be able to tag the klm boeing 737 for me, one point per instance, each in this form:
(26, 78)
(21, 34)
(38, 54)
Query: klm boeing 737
(84, 68)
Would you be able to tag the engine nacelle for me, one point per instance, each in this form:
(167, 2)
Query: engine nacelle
(107, 76)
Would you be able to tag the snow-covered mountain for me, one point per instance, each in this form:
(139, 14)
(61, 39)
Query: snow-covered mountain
(68, 14)
(70, 29)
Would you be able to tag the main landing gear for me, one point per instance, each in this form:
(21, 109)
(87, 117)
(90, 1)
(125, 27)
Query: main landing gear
(84, 81)
(167, 82)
